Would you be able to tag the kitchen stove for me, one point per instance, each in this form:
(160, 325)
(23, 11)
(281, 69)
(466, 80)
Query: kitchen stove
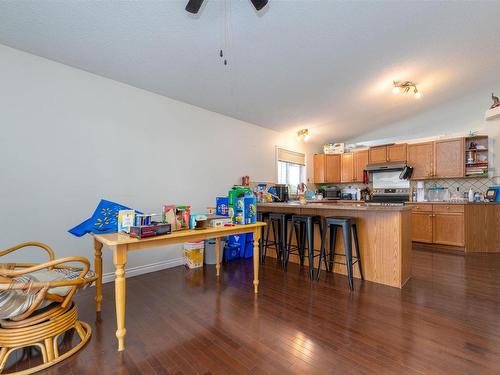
(391, 195)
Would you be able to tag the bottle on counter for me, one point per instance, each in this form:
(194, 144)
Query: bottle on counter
(471, 195)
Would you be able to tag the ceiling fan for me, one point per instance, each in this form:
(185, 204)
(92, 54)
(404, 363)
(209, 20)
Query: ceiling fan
(193, 6)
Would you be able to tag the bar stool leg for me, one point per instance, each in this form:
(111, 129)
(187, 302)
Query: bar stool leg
(283, 225)
(286, 254)
(356, 244)
(333, 239)
(322, 254)
(302, 243)
(261, 246)
(348, 253)
(310, 248)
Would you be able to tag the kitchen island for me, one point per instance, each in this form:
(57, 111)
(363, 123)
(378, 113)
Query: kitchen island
(384, 237)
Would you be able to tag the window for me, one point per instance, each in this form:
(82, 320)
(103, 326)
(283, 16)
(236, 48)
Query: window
(291, 168)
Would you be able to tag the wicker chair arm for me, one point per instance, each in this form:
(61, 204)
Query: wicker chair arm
(47, 248)
(11, 273)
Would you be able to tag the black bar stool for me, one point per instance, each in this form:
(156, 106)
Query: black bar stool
(277, 220)
(303, 226)
(264, 217)
(349, 230)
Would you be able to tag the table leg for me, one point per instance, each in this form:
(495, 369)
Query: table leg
(217, 255)
(256, 238)
(119, 260)
(98, 271)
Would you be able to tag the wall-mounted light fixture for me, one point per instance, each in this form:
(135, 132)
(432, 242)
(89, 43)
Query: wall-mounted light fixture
(303, 135)
(405, 87)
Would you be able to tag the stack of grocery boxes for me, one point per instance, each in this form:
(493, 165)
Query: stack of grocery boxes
(241, 206)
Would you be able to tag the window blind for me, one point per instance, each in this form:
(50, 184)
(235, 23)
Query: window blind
(291, 156)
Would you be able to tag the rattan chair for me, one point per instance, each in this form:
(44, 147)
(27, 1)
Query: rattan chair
(36, 306)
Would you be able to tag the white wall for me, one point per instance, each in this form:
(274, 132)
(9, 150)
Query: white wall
(69, 138)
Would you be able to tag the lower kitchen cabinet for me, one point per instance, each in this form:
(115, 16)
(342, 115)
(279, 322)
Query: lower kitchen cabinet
(439, 224)
(449, 228)
(421, 227)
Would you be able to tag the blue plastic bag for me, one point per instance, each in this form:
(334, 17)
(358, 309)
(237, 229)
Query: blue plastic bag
(231, 252)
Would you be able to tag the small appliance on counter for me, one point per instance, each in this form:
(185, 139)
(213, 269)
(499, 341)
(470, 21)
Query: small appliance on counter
(493, 194)
(438, 194)
(330, 192)
(281, 193)
(351, 194)
(420, 191)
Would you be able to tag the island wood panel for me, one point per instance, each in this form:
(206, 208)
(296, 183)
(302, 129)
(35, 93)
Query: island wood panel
(482, 223)
(384, 238)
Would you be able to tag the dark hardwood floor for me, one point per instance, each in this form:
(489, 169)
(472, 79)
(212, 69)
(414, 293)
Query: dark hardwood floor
(445, 321)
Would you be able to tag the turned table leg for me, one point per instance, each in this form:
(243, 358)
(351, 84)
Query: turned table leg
(119, 260)
(256, 258)
(98, 271)
(217, 255)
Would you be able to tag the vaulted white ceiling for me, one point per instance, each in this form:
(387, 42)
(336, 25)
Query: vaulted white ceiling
(325, 65)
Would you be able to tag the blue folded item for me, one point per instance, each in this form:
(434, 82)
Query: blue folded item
(104, 220)
(231, 252)
(248, 253)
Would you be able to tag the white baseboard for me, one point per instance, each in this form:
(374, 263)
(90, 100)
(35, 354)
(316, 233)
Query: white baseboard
(140, 270)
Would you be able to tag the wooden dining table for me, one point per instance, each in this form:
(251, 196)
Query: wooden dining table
(120, 244)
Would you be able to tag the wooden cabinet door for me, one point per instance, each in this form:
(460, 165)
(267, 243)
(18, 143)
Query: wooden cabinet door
(332, 168)
(319, 168)
(449, 228)
(421, 157)
(421, 227)
(347, 167)
(360, 162)
(377, 154)
(396, 152)
(449, 158)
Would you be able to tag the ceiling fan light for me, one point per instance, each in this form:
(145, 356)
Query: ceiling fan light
(417, 94)
(396, 90)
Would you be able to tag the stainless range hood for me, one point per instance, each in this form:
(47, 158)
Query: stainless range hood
(380, 167)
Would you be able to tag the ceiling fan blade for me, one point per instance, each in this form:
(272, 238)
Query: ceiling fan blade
(193, 6)
(259, 4)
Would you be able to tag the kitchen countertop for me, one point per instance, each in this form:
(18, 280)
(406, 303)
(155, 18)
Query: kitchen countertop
(449, 203)
(329, 205)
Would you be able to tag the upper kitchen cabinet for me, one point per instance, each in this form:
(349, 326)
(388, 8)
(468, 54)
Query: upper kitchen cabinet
(360, 162)
(347, 167)
(397, 152)
(449, 158)
(384, 154)
(377, 154)
(332, 168)
(326, 168)
(319, 168)
(420, 156)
